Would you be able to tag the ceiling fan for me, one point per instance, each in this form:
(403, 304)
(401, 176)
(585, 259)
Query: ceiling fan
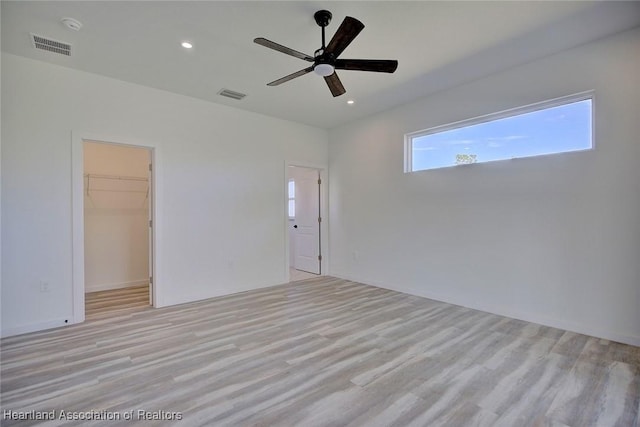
(325, 60)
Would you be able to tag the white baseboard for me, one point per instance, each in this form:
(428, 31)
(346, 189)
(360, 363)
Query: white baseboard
(35, 327)
(111, 286)
(200, 296)
(503, 311)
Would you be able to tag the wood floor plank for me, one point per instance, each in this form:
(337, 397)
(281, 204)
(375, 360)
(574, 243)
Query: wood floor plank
(318, 352)
(116, 302)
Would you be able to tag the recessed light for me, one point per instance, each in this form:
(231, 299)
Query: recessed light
(351, 102)
(187, 45)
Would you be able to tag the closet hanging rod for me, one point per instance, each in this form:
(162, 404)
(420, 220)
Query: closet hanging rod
(115, 177)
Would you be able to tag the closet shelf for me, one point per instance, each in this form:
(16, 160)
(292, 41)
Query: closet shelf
(118, 177)
(118, 191)
(101, 181)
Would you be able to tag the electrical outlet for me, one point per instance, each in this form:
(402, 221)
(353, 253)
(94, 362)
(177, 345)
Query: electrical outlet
(44, 286)
(356, 255)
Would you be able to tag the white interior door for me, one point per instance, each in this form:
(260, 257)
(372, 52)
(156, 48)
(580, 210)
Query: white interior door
(151, 225)
(307, 224)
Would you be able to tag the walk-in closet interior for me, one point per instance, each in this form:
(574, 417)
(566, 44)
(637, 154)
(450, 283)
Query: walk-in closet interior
(116, 228)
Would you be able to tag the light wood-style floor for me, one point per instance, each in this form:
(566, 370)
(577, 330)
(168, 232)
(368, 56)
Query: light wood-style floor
(324, 352)
(103, 304)
(295, 275)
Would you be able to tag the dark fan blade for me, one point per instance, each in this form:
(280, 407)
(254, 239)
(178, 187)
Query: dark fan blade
(275, 46)
(291, 76)
(335, 85)
(376, 65)
(347, 31)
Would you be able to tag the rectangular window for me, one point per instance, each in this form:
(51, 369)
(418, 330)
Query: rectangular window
(292, 199)
(556, 126)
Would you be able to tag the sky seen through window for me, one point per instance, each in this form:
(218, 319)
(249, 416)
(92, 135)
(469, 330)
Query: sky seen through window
(550, 130)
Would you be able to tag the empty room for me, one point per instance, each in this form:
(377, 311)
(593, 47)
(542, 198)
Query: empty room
(305, 213)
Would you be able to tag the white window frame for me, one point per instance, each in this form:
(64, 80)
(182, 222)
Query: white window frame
(556, 102)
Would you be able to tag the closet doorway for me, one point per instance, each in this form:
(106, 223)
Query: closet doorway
(117, 229)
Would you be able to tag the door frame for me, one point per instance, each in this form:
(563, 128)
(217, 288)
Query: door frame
(77, 207)
(324, 212)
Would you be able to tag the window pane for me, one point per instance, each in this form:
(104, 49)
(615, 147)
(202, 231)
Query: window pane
(292, 189)
(292, 208)
(550, 130)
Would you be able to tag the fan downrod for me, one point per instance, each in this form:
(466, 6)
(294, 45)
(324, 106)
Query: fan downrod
(322, 17)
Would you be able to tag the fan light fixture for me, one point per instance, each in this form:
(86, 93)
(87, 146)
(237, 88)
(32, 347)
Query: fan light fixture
(324, 70)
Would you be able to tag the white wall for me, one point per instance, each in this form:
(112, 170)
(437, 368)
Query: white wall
(554, 240)
(220, 174)
(116, 215)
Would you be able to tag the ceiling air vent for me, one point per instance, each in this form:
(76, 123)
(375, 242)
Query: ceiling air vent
(231, 94)
(49, 45)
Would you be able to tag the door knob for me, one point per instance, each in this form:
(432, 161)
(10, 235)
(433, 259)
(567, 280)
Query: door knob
(295, 226)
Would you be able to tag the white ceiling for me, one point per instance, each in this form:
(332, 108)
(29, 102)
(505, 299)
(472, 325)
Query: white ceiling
(438, 45)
